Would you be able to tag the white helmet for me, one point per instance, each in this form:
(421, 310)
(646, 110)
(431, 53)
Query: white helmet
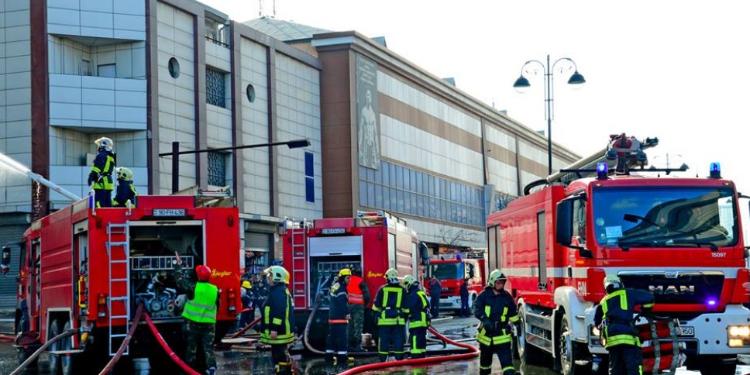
(105, 143)
(124, 174)
(612, 281)
(391, 275)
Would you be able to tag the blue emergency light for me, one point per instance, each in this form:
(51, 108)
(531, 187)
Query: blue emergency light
(715, 170)
(602, 170)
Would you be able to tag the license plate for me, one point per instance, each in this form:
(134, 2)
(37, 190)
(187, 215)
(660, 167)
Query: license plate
(686, 331)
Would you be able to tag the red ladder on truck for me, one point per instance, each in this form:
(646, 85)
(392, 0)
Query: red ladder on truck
(118, 303)
(299, 267)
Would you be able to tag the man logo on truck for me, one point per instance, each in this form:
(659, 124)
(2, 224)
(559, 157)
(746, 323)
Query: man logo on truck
(672, 289)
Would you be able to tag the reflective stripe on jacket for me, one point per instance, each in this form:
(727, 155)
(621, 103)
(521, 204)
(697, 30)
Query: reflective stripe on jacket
(498, 311)
(202, 308)
(617, 310)
(416, 302)
(389, 304)
(278, 315)
(104, 165)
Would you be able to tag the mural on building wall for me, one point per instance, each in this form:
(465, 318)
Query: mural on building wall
(367, 113)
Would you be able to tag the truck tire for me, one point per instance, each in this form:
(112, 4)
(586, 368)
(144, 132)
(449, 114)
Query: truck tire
(528, 354)
(716, 366)
(568, 352)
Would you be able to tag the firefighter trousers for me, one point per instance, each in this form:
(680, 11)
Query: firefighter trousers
(103, 198)
(391, 341)
(625, 360)
(282, 364)
(418, 342)
(503, 352)
(336, 344)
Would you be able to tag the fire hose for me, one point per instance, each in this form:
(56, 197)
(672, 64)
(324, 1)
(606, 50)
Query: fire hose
(244, 329)
(111, 364)
(41, 350)
(179, 362)
(472, 353)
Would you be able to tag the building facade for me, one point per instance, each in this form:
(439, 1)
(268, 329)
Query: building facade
(147, 73)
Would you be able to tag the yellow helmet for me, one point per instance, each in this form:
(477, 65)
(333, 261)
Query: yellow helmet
(105, 143)
(495, 275)
(612, 281)
(246, 284)
(345, 272)
(391, 276)
(278, 274)
(124, 174)
(408, 280)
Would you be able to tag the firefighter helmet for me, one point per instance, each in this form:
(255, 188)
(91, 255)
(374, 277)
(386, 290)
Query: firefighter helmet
(391, 275)
(495, 275)
(613, 282)
(105, 143)
(124, 174)
(277, 274)
(408, 280)
(246, 284)
(202, 272)
(345, 272)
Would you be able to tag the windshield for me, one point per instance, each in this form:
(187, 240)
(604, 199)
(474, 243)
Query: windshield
(665, 217)
(444, 271)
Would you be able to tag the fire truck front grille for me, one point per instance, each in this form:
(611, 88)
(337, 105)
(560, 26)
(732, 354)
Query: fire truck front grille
(678, 287)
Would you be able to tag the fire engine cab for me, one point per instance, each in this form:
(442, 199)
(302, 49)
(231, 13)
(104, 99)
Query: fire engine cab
(679, 238)
(314, 253)
(451, 270)
(88, 268)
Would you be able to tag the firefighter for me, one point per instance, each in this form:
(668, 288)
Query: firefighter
(125, 195)
(278, 319)
(100, 177)
(199, 313)
(496, 310)
(248, 308)
(338, 319)
(419, 316)
(359, 298)
(614, 316)
(390, 311)
(435, 290)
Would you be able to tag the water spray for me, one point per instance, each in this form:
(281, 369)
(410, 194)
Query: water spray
(8, 163)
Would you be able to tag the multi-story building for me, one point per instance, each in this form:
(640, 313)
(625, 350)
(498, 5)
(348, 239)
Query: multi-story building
(398, 138)
(147, 73)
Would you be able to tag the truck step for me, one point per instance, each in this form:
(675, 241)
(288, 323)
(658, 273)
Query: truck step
(121, 261)
(118, 280)
(124, 298)
(114, 336)
(113, 317)
(117, 243)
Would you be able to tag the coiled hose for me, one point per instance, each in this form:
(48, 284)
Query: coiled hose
(41, 350)
(473, 352)
(113, 361)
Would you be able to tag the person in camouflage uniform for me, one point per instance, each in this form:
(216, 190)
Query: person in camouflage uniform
(199, 313)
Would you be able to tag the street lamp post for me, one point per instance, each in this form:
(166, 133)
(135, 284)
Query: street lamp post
(522, 82)
(175, 154)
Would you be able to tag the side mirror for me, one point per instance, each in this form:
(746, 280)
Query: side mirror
(5, 260)
(564, 222)
(424, 253)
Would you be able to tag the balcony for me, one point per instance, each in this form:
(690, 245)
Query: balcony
(97, 103)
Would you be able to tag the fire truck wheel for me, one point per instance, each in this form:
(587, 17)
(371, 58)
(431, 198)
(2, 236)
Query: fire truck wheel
(716, 366)
(528, 354)
(569, 352)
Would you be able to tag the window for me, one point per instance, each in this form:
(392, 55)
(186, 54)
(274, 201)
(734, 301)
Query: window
(106, 70)
(215, 90)
(84, 68)
(217, 169)
(310, 177)
(250, 92)
(579, 221)
(174, 67)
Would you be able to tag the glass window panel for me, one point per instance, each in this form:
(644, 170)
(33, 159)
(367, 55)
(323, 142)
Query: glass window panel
(386, 171)
(310, 189)
(378, 196)
(371, 194)
(414, 177)
(394, 175)
(413, 198)
(418, 184)
(386, 198)
(363, 194)
(400, 201)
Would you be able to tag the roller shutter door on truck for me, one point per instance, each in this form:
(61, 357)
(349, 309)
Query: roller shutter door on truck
(10, 234)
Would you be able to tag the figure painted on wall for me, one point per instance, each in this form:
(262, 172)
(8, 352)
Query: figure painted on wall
(369, 145)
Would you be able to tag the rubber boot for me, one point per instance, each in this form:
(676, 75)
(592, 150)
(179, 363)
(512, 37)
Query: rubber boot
(284, 368)
(211, 371)
(341, 362)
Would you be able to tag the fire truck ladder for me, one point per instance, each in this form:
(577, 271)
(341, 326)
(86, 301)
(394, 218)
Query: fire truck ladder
(118, 303)
(299, 264)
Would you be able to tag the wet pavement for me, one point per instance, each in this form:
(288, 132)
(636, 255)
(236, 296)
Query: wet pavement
(241, 362)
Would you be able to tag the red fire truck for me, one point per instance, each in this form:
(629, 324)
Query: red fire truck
(314, 253)
(451, 270)
(679, 238)
(87, 269)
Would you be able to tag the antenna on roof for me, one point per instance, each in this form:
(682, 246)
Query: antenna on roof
(274, 9)
(260, 8)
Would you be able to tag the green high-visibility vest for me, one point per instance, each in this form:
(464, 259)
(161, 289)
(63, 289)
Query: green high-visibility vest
(202, 308)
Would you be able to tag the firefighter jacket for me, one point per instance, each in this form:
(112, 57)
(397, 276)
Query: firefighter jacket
(496, 311)
(390, 306)
(278, 315)
(339, 307)
(416, 302)
(125, 192)
(202, 307)
(101, 171)
(615, 315)
(357, 291)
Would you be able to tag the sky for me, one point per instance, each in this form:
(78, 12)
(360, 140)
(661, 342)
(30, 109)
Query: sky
(666, 69)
